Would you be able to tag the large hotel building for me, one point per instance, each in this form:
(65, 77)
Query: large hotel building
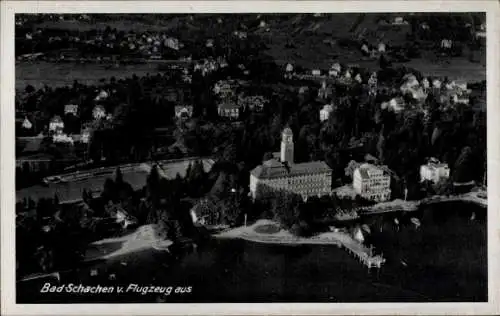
(306, 179)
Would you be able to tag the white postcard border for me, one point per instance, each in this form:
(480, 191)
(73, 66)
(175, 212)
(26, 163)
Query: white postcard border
(7, 159)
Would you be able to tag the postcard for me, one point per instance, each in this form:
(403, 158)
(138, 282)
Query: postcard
(250, 157)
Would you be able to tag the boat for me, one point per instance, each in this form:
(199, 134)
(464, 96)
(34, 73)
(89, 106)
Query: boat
(53, 179)
(366, 228)
(415, 221)
(358, 235)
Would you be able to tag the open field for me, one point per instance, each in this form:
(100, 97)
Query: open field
(38, 74)
(125, 25)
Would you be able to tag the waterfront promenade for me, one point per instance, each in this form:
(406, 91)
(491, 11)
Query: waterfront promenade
(411, 206)
(283, 237)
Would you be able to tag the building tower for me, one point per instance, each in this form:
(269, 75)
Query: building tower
(287, 146)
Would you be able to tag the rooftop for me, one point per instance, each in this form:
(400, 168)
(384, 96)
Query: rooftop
(228, 106)
(274, 169)
(288, 131)
(366, 169)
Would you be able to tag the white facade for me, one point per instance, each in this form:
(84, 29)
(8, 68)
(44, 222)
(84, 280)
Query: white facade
(381, 48)
(324, 113)
(461, 98)
(56, 123)
(305, 179)
(98, 112)
(307, 185)
(27, 124)
(316, 72)
(71, 109)
(229, 111)
(396, 105)
(62, 138)
(446, 43)
(85, 136)
(436, 83)
(183, 111)
(372, 183)
(336, 67)
(333, 73)
(434, 171)
(399, 21)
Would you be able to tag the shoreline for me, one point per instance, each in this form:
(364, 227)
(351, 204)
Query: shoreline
(336, 238)
(284, 237)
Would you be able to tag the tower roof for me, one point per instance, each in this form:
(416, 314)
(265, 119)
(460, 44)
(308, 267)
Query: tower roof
(288, 131)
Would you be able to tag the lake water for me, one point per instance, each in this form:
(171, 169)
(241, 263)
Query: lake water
(444, 260)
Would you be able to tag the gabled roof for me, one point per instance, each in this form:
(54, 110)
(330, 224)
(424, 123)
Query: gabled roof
(228, 106)
(56, 119)
(99, 107)
(288, 131)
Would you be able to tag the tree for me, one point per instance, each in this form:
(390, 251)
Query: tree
(351, 167)
(268, 156)
(286, 208)
(195, 180)
(108, 192)
(463, 165)
(56, 199)
(381, 146)
(118, 176)
(153, 185)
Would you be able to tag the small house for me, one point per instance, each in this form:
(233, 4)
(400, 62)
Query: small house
(71, 109)
(365, 49)
(436, 83)
(27, 124)
(434, 171)
(336, 67)
(325, 112)
(460, 98)
(60, 137)
(103, 95)
(56, 123)
(358, 78)
(425, 83)
(446, 43)
(85, 135)
(98, 112)
(183, 111)
(316, 72)
(229, 110)
(399, 21)
(395, 104)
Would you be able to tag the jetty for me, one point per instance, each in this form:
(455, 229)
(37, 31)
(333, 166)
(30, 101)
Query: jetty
(359, 251)
(340, 239)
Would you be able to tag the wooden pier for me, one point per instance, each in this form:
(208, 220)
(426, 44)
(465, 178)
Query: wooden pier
(360, 252)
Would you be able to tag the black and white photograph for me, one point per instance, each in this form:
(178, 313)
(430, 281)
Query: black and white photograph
(272, 157)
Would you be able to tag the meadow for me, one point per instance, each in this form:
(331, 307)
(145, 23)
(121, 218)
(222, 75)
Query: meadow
(39, 74)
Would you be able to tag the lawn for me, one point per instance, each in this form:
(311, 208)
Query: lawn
(267, 229)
